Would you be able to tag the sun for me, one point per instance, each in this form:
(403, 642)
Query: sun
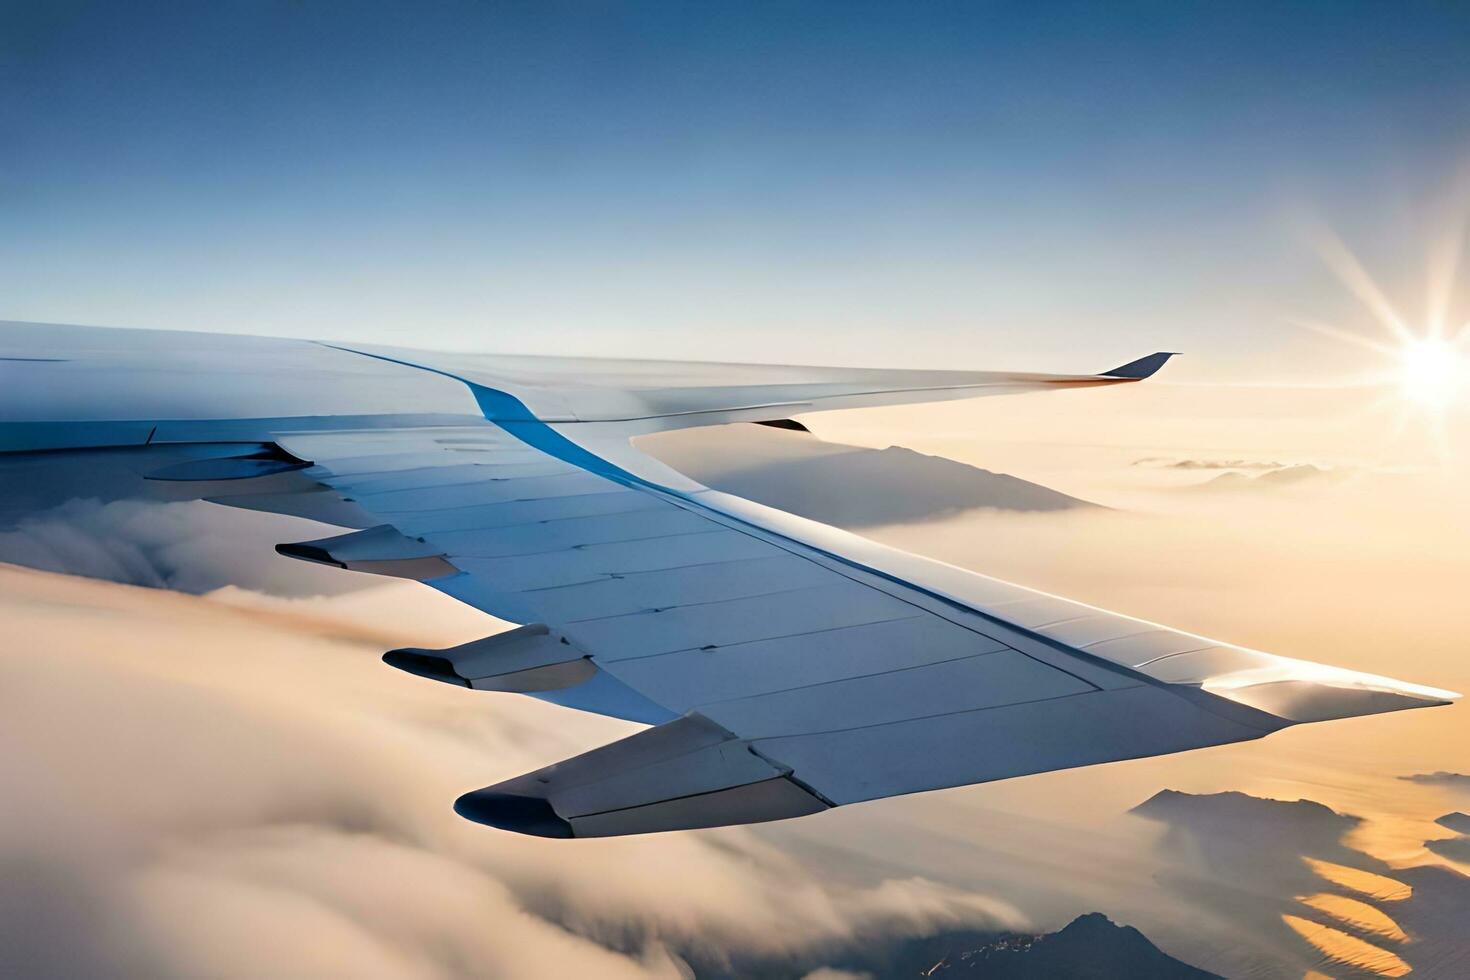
(1430, 360)
(1431, 372)
(1424, 366)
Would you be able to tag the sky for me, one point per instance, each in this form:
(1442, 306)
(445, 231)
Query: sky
(980, 184)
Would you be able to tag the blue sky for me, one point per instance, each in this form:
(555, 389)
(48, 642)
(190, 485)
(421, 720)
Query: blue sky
(926, 184)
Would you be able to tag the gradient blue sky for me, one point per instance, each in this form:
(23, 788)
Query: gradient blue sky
(930, 184)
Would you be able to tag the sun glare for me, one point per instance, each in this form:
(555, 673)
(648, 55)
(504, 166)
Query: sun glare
(1431, 372)
(1425, 359)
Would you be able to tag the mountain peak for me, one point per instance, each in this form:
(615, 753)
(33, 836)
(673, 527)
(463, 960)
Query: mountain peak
(1090, 947)
(1456, 821)
(1243, 806)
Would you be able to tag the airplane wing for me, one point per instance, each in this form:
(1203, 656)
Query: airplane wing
(785, 666)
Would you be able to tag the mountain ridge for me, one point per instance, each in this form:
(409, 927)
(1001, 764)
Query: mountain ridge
(803, 475)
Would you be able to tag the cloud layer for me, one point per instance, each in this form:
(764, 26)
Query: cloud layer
(235, 785)
(196, 788)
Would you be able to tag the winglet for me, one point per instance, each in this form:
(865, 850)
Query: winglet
(1144, 367)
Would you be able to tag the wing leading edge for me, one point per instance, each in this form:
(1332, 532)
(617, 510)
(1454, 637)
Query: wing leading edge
(673, 394)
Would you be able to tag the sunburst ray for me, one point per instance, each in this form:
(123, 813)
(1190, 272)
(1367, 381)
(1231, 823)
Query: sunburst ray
(1350, 272)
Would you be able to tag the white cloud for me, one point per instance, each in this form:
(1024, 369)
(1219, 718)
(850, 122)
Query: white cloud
(204, 789)
(190, 546)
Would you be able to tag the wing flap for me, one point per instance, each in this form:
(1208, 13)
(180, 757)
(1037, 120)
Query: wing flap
(778, 613)
(982, 681)
(640, 592)
(569, 532)
(688, 678)
(596, 562)
(983, 745)
(533, 510)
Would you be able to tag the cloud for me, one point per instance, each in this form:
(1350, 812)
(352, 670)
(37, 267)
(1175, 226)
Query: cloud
(1167, 462)
(196, 787)
(95, 513)
(1441, 778)
(1288, 476)
(187, 775)
(188, 546)
(354, 904)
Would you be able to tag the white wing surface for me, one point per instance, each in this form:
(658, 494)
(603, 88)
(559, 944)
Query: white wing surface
(786, 667)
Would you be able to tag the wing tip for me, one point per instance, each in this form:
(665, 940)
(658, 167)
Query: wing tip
(1300, 692)
(1144, 367)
